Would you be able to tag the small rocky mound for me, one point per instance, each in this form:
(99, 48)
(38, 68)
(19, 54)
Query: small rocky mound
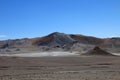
(98, 51)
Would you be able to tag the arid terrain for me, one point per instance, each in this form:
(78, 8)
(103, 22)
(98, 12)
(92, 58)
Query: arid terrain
(60, 56)
(60, 68)
(59, 40)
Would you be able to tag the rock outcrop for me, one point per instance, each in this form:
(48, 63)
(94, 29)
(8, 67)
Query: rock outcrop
(98, 52)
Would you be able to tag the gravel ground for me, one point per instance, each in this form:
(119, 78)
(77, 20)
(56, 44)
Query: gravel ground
(60, 68)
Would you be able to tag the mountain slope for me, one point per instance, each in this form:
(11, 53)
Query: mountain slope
(54, 39)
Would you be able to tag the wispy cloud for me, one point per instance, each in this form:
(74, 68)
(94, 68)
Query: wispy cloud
(3, 36)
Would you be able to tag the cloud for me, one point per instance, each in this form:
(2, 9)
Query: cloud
(3, 36)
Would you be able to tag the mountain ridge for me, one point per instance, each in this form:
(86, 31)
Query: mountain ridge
(61, 41)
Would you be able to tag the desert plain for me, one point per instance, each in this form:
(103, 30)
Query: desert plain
(73, 67)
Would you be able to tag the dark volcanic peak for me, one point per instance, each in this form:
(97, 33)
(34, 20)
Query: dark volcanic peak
(61, 39)
(55, 39)
(56, 33)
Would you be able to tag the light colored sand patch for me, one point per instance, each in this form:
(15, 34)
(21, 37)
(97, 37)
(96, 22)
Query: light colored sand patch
(41, 54)
(117, 54)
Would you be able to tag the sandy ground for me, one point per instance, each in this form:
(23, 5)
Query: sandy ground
(60, 68)
(42, 54)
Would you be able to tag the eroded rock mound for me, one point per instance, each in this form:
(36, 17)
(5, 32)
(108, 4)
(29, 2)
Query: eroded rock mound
(98, 51)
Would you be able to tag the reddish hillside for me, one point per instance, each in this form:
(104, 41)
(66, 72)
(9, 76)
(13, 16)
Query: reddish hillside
(87, 39)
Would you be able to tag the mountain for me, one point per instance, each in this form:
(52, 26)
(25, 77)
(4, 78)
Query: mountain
(54, 39)
(60, 41)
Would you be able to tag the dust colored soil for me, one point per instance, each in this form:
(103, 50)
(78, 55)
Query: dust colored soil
(60, 68)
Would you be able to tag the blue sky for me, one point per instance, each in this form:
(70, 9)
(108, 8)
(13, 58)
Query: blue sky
(35, 18)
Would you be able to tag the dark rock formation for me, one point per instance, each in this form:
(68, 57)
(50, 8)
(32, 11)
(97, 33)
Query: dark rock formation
(98, 51)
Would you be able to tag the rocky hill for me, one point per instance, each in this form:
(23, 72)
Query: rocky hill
(96, 51)
(60, 41)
